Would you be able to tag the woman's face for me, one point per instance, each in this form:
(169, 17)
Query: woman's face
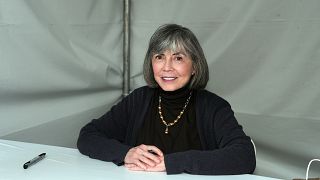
(172, 70)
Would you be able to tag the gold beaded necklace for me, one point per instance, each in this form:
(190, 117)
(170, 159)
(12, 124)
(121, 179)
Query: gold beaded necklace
(178, 117)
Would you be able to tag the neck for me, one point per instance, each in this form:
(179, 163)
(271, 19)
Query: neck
(184, 91)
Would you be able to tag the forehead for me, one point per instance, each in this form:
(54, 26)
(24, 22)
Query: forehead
(171, 49)
(170, 52)
(169, 43)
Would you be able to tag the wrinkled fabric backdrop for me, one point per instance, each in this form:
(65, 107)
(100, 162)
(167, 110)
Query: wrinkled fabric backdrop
(61, 66)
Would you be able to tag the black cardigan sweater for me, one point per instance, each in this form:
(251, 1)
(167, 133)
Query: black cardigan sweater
(227, 149)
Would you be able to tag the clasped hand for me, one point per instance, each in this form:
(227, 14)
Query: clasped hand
(145, 158)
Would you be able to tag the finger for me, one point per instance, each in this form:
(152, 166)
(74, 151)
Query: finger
(136, 168)
(143, 156)
(132, 155)
(133, 167)
(127, 165)
(141, 164)
(142, 152)
(154, 153)
(149, 159)
(151, 148)
(158, 168)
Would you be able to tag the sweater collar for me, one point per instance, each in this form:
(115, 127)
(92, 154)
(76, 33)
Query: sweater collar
(179, 95)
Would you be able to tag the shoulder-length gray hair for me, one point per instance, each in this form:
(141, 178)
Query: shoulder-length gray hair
(175, 37)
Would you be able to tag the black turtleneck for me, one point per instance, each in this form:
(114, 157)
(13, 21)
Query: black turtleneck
(183, 135)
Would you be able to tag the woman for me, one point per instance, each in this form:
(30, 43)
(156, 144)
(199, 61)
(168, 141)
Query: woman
(173, 124)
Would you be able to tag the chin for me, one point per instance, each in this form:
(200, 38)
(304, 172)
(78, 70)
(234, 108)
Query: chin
(166, 88)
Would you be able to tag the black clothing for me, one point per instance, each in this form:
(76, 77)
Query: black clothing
(183, 135)
(226, 148)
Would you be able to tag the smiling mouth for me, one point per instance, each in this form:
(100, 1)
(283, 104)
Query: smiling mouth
(168, 78)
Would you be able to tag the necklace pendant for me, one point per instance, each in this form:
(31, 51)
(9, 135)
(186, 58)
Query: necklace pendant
(178, 117)
(166, 131)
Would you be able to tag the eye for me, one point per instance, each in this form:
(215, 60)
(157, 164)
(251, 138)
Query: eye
(179, 58)
(158, 57)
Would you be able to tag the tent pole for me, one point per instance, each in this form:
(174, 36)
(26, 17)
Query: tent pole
(126, 47)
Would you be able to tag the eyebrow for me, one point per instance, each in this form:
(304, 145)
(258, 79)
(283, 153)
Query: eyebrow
(178, 53)
(175, 54)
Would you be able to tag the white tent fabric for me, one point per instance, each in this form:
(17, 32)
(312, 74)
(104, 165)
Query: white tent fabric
(61, 66)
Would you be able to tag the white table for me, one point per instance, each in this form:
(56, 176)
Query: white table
(67, 163)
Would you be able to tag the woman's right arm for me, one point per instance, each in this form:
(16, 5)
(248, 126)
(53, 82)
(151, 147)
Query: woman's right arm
(104, 138)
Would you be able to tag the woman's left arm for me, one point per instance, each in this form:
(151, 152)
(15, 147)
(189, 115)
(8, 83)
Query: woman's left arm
(233, 154)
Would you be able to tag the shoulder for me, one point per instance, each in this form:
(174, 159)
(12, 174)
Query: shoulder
(207, 98)
(136, 98)
(141, 93)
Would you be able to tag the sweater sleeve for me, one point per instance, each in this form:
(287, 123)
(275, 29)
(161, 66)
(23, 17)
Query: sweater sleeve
(104, 138)
(230, 151)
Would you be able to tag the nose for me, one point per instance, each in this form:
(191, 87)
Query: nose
(168, 64)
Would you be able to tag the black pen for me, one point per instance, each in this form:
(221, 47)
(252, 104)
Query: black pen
(34, 160)
(152, 152)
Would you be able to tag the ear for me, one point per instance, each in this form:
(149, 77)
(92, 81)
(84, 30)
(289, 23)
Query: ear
(193, 72)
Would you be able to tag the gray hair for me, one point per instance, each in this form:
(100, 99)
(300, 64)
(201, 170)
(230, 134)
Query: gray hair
(175, 37)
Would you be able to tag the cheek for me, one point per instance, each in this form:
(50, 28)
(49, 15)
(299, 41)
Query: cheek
(186, 71)
(155, 69)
